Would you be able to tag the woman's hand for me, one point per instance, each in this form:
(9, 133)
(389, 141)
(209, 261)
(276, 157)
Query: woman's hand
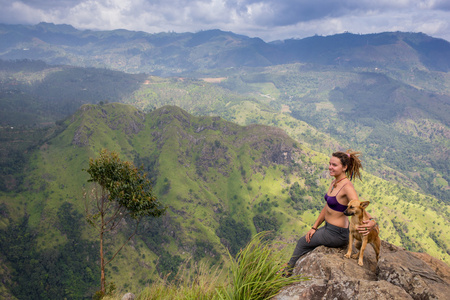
(366, 227)
(309, 234)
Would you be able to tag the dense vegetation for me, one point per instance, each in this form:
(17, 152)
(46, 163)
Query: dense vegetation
(234, 235)
(406, 129)
(222, 182)
(247, 180)
(65, 271)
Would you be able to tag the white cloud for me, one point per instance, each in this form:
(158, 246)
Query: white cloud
(17, 12)
(268, 19)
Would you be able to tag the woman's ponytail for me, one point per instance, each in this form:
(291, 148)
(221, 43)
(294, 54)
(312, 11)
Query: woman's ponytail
(350, 159)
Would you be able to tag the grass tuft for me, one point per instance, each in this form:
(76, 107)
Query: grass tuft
(198, 282)
(256, 273)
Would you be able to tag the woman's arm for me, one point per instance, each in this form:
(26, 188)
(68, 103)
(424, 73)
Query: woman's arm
(367, 226)
(320, 218)
(349, 192)
(316, 225)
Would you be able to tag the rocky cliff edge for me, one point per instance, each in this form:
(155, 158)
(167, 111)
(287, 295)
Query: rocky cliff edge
(399, 274)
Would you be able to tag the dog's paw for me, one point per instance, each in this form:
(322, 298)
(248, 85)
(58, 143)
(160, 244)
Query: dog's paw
(360, 263)
(355, 255)
(347, 255)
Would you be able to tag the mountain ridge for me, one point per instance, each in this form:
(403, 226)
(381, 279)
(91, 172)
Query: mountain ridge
(181, 53)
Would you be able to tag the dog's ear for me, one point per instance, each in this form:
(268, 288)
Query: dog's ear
(364, 204)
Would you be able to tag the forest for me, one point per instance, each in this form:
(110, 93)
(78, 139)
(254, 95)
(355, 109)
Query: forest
(230, 158)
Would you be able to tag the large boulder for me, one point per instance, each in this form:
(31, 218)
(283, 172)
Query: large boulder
(399, 274)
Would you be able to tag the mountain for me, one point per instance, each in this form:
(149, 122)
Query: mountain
(221, 182)
(390, 50)
(181, 53)
(33, 93)
(398, 119)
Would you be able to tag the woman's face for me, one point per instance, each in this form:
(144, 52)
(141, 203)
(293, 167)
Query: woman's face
(335, 167)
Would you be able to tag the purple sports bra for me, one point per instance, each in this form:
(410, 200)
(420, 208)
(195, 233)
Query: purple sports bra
(333, 203)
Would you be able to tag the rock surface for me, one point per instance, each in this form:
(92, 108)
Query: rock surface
(129, 296)
(399, 274)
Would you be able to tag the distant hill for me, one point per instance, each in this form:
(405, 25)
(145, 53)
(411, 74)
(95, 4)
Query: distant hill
(33, 93)
(398, 119)
(389, 50)
(222, 182)
(181, 53)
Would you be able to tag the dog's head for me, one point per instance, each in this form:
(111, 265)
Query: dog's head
(356, 207)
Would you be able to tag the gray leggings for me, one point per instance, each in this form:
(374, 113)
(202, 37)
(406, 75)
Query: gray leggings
(328, 235)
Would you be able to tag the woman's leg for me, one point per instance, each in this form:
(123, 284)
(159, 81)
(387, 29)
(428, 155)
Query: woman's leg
(328, 235)
(304, 247)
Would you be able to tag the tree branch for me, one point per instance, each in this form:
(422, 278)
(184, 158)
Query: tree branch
(115, 217)
(131, 236)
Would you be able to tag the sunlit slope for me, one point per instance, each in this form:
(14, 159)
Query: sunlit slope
(399, 120)
(209, 171)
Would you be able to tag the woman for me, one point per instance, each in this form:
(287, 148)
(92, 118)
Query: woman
(344, 167)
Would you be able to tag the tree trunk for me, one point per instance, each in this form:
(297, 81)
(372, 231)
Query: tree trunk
(102, 258)
(102, 266)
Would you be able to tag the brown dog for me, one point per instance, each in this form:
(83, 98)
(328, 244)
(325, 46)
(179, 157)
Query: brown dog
(356, 209)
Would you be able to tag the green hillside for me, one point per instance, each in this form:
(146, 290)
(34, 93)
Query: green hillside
(216, 177)
(393, 123)
(399, 119)
(403, 128)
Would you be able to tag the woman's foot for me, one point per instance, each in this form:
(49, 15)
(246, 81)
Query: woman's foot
(287, 272)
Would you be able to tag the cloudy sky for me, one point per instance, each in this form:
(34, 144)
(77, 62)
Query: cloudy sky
(267, 19)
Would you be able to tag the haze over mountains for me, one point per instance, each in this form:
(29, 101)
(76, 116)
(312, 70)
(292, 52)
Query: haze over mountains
(178, 53)
(236, 138)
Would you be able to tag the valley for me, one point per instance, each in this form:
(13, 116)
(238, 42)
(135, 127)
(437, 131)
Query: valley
(232, 149)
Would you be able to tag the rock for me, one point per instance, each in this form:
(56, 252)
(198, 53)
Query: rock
(409, 272)
(399, 274)
(129, 296)
(440, 267)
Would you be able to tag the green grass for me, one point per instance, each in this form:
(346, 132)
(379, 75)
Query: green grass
(255, 274)
(196, 282)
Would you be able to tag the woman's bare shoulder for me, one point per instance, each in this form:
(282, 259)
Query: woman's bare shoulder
(349, 191)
